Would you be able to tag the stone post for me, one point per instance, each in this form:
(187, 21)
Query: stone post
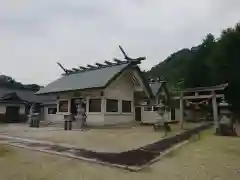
(181, 110)
(215, 111)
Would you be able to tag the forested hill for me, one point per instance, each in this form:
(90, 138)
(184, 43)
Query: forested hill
(7, 81)
(173, 69)
(213, 61)
(186, 65)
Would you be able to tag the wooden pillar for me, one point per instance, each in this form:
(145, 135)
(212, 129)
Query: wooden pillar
(157, 100)
(69, 106)
(181, 110)
(103, 105)
(58, 106)
(87, 104)
(215, 110)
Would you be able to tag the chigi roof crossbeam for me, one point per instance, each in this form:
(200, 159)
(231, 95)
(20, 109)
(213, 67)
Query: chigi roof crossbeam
(106, 64)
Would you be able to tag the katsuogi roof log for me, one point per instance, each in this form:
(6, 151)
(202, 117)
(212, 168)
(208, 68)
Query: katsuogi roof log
(82, 67)
(118, 61)
(91, 66)
(100, 65)
(108, 62)
(75, 69)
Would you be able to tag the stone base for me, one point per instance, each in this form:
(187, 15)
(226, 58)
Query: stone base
(225, 130)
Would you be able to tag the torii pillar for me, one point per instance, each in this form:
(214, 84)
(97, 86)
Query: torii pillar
(181, 110)
(215, 111)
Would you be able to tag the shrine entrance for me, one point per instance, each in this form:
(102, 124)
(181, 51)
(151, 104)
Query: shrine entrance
(198, 110)
(201, 102)
(77, 104)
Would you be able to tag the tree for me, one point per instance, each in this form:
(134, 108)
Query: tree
(8, 81)
(225, 63)
(198, 71)
(214, 61)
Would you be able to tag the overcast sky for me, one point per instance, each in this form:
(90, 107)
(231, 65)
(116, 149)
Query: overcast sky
(35, 34)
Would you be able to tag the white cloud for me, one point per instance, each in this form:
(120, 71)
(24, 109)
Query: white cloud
(37, 34)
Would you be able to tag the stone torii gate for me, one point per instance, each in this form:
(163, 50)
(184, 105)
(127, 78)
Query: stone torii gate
(199, 93)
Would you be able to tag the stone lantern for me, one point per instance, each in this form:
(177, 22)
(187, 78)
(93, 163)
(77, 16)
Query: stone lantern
(226, 125)
(161, 125)
(81, 117)
(33, 117)
(160, 111)
(78, 107)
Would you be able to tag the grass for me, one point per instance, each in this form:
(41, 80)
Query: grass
(212, 157)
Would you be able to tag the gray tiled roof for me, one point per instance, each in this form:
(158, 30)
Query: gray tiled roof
(26, 95)
(83, 80)
(155, 86)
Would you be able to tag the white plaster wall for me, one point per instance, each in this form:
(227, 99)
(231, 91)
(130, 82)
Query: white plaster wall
(2, 109)
(111, 119)
(4, 106)
(95, 119)
(167, 116)
(150, 117)
(84, 93)
(121, 89)
(153, 117)
(22, 109)
(177, 114)
(52, 117)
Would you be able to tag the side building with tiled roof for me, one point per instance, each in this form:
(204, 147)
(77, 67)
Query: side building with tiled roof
(15, 103)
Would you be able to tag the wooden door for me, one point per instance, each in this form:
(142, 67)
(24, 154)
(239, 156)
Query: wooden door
(12, 114)
(138, 113)
(173, 114)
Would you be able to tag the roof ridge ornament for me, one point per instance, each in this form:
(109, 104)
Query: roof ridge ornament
(67, 71)
(99, 65)
(108, 63)
(132, 60)
(91, 67)
(118, 61)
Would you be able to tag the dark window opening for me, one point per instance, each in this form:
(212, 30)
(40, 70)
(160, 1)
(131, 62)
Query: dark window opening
(52, 110)
(148, 108)
(126, 106)
(112, 105)
(95, 105)
(173, 114)
(63, 106)
(12, 114)
(75, 102)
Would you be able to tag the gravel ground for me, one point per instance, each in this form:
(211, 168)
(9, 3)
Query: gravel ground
(212, 157)
(111, 139)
